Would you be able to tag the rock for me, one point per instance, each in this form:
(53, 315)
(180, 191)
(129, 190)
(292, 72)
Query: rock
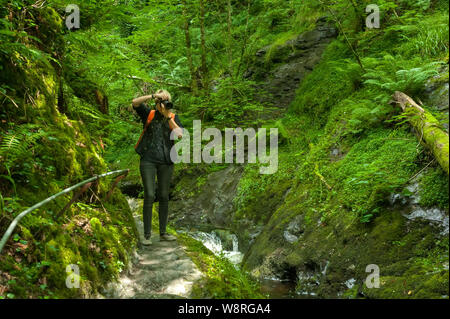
(254, 233)
(289, 237)
(412, 210)
(289, 64)
(437, 95)
(227, 238)
(214, 201)
(273, 267)
(434, 215)
(397, 198)
(262, 51)
(295, 226)
(308, 282)
(436, 90)
(350, 283)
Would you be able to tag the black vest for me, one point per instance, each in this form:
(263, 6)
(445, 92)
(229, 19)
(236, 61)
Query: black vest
(156, 143)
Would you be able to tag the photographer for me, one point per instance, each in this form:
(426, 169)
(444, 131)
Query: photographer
(154, 149)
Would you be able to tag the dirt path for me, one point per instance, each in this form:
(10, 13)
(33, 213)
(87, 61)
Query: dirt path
(162, 270)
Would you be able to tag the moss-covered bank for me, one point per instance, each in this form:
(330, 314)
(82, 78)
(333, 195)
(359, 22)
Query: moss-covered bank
(330, 212)
(43, 151)
(222, 280)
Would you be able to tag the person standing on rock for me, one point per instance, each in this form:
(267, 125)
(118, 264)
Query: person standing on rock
(154, 149)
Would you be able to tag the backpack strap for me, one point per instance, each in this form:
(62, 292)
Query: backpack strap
(150, 117)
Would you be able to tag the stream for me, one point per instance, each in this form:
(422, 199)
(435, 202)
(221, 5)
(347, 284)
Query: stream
(275, 288)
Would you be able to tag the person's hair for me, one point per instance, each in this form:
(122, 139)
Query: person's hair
(166, 94)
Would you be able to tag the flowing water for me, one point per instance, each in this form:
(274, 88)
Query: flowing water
(213, 242)
(276, 289)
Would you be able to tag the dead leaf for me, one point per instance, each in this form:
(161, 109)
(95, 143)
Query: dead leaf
(3, 289)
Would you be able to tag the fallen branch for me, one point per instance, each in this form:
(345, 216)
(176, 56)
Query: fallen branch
(414, 176)
(316, 171)
(427, 128)
(15, 104)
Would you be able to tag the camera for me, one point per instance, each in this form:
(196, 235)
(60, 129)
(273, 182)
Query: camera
(165, 103)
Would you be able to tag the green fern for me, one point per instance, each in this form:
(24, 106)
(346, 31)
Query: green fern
(15, 143)
(389, 76)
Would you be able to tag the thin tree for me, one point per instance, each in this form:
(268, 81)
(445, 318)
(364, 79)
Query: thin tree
(204, 69)
(230, 52)
(341, 30)
(244, 45)
(187, 22)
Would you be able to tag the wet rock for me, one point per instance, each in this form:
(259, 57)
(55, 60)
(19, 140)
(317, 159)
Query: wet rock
(436, 91)
(295, 226)
(350, 283)
(254, 233)
(412, 210)
(289, 64)
(397, 198)
(289, 237)
(212, 207)
(437, 95)
(228, 239)
(294, 229)
(434, 215)
(308, 282)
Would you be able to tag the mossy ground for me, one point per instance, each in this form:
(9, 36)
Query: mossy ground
(340, 129)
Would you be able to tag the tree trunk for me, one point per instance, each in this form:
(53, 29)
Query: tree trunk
(427, 128)
(230, 54)
(188, 49)
(204, 70)
(360, 21)
(244, 45)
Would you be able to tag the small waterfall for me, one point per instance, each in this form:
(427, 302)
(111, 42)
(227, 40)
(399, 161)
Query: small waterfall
(235, 242)
(209, 240)
(213, 242)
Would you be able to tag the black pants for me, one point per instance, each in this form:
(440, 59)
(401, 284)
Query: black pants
(164, 173)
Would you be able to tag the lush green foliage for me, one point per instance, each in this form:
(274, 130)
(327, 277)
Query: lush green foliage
(65, 95)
